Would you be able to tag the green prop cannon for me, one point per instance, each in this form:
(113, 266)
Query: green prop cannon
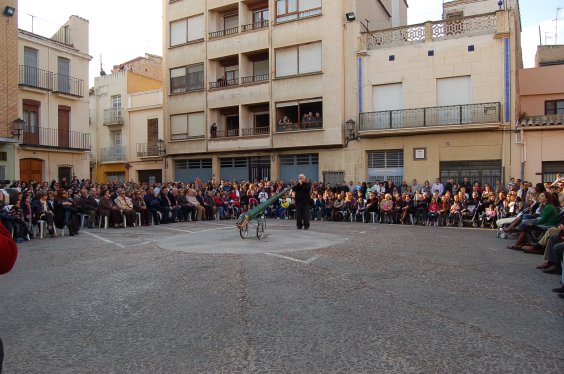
(256, 217)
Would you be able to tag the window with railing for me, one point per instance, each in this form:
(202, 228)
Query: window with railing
(187, 30)
(260, 20)
(230, 23)
(187, 126)
(298, 60)
(187, 78)
(290, 10)
(299, 115)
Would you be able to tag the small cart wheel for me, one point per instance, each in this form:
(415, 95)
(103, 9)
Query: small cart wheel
(260, 230)
(244, 232)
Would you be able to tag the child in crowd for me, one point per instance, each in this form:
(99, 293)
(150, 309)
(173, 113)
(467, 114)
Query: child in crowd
(433, 214)
(489, 216)
(454, 215)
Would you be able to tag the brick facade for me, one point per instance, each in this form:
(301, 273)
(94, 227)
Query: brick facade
(9, 67)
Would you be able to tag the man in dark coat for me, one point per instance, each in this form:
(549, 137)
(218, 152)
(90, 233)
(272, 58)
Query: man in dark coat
(302, 202)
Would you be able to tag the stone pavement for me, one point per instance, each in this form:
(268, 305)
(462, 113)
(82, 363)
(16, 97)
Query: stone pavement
(339, 298)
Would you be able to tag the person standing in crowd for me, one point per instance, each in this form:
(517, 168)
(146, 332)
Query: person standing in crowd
(302, 202)
(8, 256)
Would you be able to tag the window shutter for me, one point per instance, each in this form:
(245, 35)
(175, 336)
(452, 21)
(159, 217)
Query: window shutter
(179, 124)
(178, 32)
(310, 58)
(196, 28)
(286, 62)
(197, 125)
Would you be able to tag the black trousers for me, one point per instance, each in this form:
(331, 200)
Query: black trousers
(302, 215)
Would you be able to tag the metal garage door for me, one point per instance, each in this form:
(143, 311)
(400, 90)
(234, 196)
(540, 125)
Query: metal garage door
(486, 171)
(293, 165)
(384, 165)
(188, 170)
(234, 169)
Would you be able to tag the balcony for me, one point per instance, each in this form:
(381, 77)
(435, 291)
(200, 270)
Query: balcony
(68, 85)
(148, 150)
(292, 16)
(113, 116)
(299, 126)
(222, 33)
(432, 117)
(36, 78)
(225, 134)
(55, 138)
(113, 154)
(255, 79)
(256, 131)
(224, 83)
(255, 26)
(431, 31)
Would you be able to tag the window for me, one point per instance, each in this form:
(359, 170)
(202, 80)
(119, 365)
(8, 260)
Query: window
(554, 107)
(30, 73)
(187, 30)
(116, 105)
(260, 68)
(387, 97)
(187, 78)
(299, 115)
(260, 18)
(453, 96)
(116, 138)
(31, 118)
(483, 171)
(288, 10)
(230, 21)
(384, 165)
(116, 176)
(187, 126)
(3, 156)
(298, 60)
(550, 169)
(63, 78)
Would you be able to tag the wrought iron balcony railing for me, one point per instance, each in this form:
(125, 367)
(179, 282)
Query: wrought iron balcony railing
(288, 127)
(68, 85)
(55, 138)
(254, 79)
(226, 32)
(148, 150)
(255, 26)
(226, 134)
(36, 78)
(112, 154)
(224, 83)
(113, 116)
(430, 117)
(256, 131)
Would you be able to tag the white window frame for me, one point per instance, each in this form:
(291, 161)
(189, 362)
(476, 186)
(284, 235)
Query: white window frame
(298, 70)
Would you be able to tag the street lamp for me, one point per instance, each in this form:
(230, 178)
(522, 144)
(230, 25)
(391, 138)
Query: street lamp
(350, 132)
(161, 147)
(17, 127)
(9, 11)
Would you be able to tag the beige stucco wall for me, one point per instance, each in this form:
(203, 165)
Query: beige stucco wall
(143, 107)
(52, 159)
(538, 85)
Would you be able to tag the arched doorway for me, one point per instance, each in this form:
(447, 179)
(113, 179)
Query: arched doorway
(31, 169)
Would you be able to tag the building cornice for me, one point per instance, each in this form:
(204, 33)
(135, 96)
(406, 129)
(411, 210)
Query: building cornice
(29, 36)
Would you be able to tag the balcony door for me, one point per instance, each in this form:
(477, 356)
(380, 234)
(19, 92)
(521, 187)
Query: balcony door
(152, 136)
(63, 78)
(64, 126)
(31, 118)
(30, 77)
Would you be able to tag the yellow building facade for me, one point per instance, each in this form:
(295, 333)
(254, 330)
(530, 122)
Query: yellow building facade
(126, 109)
(53, 102)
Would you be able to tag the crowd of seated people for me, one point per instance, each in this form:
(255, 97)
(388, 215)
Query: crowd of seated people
(82, 203)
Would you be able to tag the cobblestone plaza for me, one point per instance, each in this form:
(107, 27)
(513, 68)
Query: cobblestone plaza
(341, 297)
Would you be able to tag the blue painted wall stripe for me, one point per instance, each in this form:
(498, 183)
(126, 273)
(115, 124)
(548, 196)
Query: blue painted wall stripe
(507, 80)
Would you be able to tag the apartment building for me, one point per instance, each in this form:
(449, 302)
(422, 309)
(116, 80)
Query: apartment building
(126, 109)
(439, 99)
(52, 99)
(8, 87)
(255, 69)
(383, 96)
(540, 131)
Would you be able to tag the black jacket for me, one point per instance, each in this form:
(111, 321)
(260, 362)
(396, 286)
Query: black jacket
(303, 193)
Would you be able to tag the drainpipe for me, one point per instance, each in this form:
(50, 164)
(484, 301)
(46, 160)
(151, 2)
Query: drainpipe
(523, 154)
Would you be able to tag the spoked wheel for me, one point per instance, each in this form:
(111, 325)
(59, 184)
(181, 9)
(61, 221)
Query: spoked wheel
(260, 230)
(244, 231)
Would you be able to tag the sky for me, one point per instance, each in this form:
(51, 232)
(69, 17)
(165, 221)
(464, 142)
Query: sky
(121, 30)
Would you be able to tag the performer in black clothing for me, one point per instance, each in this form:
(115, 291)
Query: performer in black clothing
(302, 202)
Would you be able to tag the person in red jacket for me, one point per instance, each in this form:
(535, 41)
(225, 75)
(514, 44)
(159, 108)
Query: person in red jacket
(8, 255)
